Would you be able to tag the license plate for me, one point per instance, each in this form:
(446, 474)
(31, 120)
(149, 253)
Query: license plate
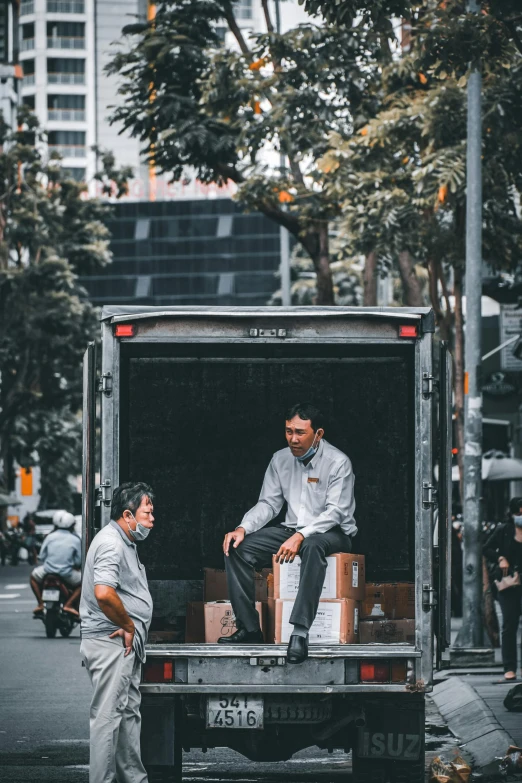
(235, 711)
(51, 595)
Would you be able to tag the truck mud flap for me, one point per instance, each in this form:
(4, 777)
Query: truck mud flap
(393, 731)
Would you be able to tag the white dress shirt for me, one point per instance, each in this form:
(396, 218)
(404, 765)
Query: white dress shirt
(319, 495)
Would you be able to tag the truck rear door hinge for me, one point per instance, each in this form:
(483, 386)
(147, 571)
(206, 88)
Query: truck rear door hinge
(105, 384)
(429, 597)
(428, 384)
(429, 494)
(103, 493)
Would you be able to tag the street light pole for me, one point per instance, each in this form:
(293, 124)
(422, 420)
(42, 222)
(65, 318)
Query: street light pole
(470, 639)
(284, 236)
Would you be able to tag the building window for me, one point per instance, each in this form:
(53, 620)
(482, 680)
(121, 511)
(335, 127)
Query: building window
(66, 108)
(27, 37)
(61, 70)
(65, 7)
(68, 144)
(72, 172)
(244, 9)
(26, 7)
(29, 101)
(28, 66)
(65, 35)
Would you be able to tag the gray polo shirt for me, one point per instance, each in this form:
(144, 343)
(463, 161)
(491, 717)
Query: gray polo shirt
(113, 560)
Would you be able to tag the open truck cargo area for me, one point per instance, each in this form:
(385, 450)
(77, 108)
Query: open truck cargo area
(192, 401)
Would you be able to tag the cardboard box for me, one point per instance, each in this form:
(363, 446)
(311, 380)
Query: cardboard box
(390, 600)
(345, 578)
(387, 631)
(215, 586)
(270, 620)
(336, 622)
(220, 620)
(195, 623)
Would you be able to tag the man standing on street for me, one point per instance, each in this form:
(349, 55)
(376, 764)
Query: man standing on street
(116, 611)
(317, 482)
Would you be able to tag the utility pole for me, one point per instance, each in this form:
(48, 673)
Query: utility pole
(284, 236)
(469, 644)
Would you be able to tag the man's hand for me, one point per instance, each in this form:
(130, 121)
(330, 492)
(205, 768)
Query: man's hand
(289, 549)
(127, 637)
(235, 536)
(504, 565)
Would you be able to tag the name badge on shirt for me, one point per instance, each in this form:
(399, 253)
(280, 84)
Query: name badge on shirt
(312, 480)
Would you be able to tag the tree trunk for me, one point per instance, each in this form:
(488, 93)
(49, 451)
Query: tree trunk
(459, 376)
(370, 280)
(321, 261)
(410, 282)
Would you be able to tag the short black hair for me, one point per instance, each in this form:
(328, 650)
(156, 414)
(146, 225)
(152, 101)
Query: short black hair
(128, 497)
(515, 504)
(306, 411)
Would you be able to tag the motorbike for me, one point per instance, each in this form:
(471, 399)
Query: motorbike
(55, 594)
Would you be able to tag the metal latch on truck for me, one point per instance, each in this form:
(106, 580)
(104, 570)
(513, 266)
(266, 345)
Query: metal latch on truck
(103, 493)
(429, 494)
(429, 597)
(105, 384)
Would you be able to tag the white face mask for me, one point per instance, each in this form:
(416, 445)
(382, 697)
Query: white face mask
(141, 532)
(517, 520)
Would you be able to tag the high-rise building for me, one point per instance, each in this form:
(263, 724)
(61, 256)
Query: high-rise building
(10, 71)
(65, 46)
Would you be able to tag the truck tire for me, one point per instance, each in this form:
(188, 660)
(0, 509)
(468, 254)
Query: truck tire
(368, 771)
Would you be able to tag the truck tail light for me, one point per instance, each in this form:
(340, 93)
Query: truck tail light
(375, 671)
(124, 330)
(408, 331)
(158, 671)
(398, 671)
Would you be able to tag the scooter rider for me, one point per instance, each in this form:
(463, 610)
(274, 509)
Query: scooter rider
(61, 555)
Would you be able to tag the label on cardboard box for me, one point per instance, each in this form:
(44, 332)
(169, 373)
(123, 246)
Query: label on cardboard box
(387, 632)
(344, 578)
(336, 622)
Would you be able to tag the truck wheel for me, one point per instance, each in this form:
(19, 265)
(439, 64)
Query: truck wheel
(368, 771)
(409, 772)
(51, 624)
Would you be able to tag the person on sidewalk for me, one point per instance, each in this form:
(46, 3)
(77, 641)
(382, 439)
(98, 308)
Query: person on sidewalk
(61, 554)
(116, 611)
(317, 482)
(503, 551)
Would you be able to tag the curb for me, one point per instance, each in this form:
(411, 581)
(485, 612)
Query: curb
(481, 738)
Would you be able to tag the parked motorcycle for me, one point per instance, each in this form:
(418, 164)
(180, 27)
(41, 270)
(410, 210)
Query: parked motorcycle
(55, 594)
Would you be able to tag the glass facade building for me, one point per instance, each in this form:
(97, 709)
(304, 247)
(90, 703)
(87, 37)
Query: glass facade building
(204, 252)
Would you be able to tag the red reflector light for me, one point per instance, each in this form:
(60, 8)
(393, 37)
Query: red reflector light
(398, 671)
(376, 671)
(124, 330)
(158, 671)
(408, 331)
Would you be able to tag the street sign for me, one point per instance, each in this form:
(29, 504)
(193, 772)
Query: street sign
(510, 326)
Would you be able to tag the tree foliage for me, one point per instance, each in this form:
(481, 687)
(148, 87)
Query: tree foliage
(50, 233)
(196, 104)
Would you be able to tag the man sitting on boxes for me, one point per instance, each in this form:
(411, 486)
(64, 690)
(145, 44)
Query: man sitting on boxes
(317, 482)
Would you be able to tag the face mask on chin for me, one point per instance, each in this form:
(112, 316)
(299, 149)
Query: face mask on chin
(518, 520)
(141, 532)
(310, 453)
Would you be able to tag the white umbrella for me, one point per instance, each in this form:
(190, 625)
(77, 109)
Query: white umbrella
(496, 466)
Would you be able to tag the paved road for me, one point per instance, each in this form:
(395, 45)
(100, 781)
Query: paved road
(44, 702)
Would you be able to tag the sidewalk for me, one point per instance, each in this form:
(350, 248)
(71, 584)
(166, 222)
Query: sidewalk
(471, 701)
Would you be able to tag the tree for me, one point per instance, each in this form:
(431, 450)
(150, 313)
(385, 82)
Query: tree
(402, 179)
(197, 105)
(49, 234)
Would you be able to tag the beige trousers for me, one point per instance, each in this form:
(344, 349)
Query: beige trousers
(115, 720)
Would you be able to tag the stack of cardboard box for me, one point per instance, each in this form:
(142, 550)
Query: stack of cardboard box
(337, 619)
(388, 613)
(350, 611)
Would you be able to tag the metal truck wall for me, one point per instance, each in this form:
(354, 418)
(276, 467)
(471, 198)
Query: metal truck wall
(202, 434)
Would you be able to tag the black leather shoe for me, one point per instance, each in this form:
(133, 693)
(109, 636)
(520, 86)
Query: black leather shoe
(242, 636)
(297, 649)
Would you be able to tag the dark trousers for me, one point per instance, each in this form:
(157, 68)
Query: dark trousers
(510, 601)
(256, 552)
